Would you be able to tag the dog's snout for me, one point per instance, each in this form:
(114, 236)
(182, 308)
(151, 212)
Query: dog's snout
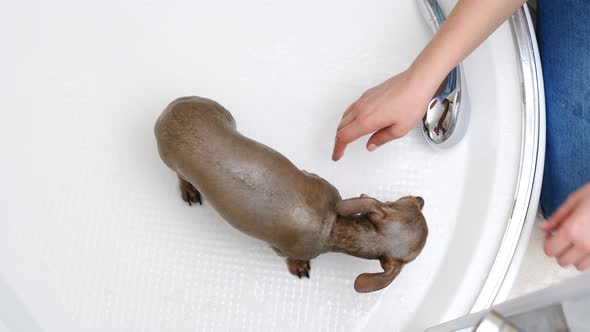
(420, 201)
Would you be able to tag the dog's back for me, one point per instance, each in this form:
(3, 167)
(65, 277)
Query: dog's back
(254, 188)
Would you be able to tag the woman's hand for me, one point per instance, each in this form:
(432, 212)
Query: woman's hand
(568, 231)
(390, 110)
(395, 106)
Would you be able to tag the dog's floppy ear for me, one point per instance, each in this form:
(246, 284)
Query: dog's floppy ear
(364, 204)
(370, 282)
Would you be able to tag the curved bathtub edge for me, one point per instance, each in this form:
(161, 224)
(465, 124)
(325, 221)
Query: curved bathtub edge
(515, 240)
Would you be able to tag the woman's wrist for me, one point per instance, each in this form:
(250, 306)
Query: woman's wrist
(423, 80)
(468, 25)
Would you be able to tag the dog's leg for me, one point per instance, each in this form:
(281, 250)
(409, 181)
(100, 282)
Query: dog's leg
(299, 268)
(189, 193)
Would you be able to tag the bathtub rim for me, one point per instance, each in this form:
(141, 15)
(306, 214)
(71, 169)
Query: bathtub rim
(514, 243)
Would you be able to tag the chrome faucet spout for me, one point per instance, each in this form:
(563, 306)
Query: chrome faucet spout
(446, 118)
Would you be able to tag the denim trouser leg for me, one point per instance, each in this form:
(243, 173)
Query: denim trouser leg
(564, 41)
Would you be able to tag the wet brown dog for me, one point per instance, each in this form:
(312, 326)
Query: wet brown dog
(261, 193)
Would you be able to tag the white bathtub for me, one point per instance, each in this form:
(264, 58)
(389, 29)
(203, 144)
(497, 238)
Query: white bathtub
(94, 235)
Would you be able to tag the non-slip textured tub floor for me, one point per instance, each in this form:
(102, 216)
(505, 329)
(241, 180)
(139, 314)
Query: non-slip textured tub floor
(94, 234)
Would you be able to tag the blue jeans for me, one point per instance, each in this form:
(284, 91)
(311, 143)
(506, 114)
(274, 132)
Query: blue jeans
(564, 42)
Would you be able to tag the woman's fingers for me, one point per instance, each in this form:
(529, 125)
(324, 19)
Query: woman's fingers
(357, 128)
(560, 215)
(556, 244)
(383, 136)
(379, 138)
(399, 103)
(350, 109)
(568, 238)
(360, 126)
(571, 256)
(345, 136)
(346, 120)
(338, 151)
(583, 264)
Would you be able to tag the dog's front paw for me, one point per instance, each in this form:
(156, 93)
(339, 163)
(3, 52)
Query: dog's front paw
(189, 193)
(298, 267)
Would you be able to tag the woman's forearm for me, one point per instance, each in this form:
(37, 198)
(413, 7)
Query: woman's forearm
(469, 24)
